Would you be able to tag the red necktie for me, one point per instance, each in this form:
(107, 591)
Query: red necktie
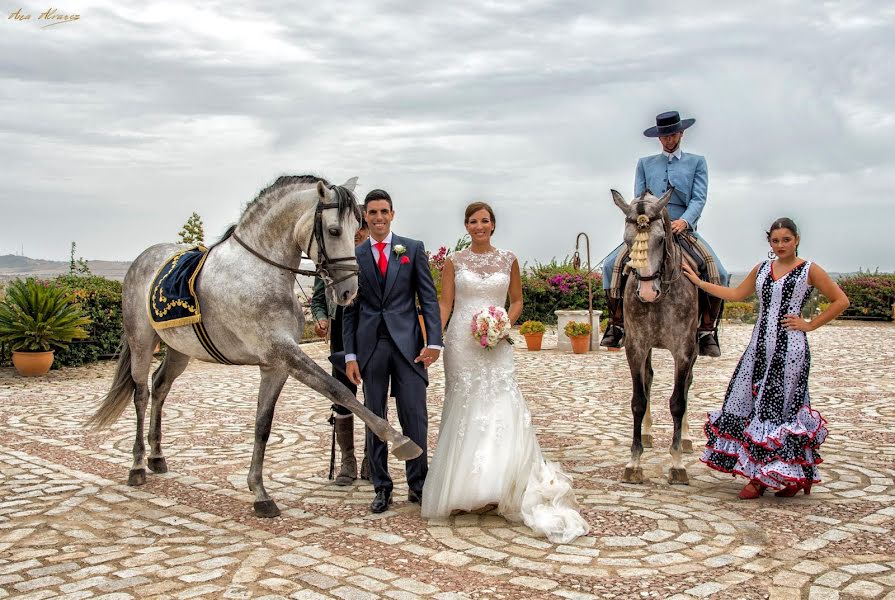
(383, 262)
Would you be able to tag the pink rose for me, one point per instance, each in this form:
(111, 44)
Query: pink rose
(484, 341)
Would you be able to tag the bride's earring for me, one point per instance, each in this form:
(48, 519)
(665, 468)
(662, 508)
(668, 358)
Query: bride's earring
(771, 254)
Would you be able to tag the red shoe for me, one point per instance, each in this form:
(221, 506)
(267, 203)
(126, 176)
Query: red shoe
(752, 490)
(791, 490)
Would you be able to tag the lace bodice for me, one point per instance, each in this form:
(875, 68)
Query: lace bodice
(480, 280)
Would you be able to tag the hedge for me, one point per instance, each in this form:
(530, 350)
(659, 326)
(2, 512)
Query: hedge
(101, 300)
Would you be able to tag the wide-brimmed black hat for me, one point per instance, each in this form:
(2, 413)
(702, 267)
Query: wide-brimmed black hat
(668, 123)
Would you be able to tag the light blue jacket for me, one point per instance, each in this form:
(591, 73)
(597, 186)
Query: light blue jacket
(689, 176)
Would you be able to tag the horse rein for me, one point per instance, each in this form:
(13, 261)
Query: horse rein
(324, 264)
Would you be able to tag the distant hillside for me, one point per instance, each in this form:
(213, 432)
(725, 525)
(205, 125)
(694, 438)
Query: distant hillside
(12, 267)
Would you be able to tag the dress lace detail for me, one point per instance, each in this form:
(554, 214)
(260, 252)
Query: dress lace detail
(487, 451)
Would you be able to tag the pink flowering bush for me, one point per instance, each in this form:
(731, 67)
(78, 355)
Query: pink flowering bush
(557, 286)
(871, 294)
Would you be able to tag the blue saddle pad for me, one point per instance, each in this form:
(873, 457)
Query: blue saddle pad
(172, 295)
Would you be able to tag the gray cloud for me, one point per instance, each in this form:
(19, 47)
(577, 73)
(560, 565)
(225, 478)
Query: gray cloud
(113, 129)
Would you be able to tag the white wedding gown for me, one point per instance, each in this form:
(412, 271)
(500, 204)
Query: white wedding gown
(487, 452)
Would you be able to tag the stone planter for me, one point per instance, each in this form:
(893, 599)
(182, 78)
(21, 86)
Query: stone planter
(32, 364)
(564, 316)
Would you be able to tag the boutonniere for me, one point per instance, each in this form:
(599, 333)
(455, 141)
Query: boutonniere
(400, 251)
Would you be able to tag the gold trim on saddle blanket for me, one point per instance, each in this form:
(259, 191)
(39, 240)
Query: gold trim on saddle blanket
(155, 312)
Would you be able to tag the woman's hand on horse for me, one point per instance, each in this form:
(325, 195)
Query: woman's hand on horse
(796, 323)
(690, 273)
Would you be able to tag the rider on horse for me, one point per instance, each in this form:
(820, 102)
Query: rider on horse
(688, 175)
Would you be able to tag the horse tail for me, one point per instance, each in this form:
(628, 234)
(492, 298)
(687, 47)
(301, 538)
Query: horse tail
(121, 393)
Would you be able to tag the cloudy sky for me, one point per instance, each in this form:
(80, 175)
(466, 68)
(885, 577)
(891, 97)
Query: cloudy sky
(117, 126)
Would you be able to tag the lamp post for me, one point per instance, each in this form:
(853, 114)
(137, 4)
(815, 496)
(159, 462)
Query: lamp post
(576, 262)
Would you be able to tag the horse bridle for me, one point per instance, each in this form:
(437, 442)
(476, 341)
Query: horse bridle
(325, 265)
(643, 222)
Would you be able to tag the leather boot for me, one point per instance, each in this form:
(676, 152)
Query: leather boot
(345, 439)
(615, 331)
(710, 311)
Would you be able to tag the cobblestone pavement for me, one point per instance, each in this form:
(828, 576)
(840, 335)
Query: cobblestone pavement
(69, 527)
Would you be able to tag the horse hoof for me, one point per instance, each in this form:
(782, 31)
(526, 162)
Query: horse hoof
(647, 440)
(687, 446)
(678, 477)
(158, 465)
(404, 449)
(136, 477)
(266, 509)
(633, 475)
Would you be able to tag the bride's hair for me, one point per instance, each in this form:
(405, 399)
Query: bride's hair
(476, 207)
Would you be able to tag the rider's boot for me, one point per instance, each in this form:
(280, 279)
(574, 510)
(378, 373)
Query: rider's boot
(345, 438)
(710, 310)
(615, 331)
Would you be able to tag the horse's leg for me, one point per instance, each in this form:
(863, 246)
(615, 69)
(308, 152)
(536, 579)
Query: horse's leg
(173, 365)
(647, 435)
(686, 440)
(272, 382)
(678, 404)
(637, 364)
(303, 368)
(141, 345)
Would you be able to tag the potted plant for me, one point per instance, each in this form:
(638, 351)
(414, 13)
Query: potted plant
(534, 334)
(37, 317)
(579, 334)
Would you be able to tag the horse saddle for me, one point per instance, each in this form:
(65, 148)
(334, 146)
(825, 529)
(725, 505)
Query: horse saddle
(172, 294)
(689, 252)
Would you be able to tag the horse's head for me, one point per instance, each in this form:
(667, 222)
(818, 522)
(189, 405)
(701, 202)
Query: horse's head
(331, 244)
(647, 229)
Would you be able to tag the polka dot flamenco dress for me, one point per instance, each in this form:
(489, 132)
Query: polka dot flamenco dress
(766, 429)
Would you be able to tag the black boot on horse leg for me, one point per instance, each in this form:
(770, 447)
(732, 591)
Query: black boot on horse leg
(615, 331)
(710, 311)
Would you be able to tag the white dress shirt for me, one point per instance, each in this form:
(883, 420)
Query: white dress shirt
(387, 252)
(672, 155)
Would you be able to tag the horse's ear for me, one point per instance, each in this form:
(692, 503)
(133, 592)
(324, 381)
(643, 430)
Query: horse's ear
(321, 189)
(350, 184)
(663, 201)
(620, 202)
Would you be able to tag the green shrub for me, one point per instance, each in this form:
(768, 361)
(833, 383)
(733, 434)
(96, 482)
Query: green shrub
(871, 295)
(38, 316)
(532, 327)
(557, 286)
(576, 328)
(738, 311)
(101, 300)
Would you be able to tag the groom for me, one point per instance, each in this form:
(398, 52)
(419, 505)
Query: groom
(384, 342)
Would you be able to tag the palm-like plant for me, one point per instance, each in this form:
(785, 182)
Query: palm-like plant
(37, 316)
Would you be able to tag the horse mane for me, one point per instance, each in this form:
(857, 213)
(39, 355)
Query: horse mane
(345, 197)
(672, 250)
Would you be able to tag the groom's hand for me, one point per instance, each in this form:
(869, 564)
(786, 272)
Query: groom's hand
(352, 371)
(428, 356)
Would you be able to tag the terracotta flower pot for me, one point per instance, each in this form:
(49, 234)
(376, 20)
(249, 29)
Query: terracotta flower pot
(580, 343)
(32, 364)
(533, 340)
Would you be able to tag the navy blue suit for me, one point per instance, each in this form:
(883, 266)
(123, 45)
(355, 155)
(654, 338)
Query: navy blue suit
(382, 329)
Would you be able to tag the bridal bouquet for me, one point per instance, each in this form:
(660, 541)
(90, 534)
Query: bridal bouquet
(490, 326)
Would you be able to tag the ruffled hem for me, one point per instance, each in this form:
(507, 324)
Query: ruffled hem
(549, 506)
(777, 455)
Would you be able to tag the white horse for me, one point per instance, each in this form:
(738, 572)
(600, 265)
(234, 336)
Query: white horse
(251, 314)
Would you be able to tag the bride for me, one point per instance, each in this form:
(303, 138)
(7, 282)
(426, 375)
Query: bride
(487, 452)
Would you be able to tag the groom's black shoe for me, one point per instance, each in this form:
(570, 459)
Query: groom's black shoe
(415, 497)
(381, 501)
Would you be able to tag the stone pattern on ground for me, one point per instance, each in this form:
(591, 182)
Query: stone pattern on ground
(69, 527)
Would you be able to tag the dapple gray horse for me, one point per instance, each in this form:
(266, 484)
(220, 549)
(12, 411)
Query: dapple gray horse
(251, 313)
(660, 312)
